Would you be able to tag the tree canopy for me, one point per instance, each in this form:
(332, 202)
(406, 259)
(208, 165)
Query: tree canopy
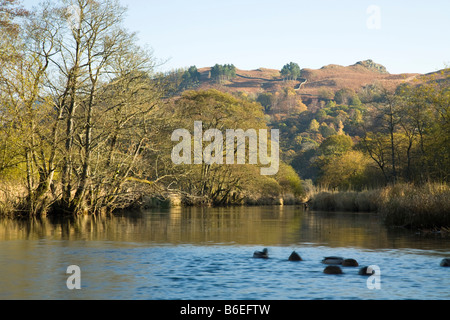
(291, 71)
(224, 72)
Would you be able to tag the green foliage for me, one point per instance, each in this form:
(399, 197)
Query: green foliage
(224, 183)
(289, 180)
(222, 73)
(178, 80)
(91, 139)
(344, 170)
(330, 105)
(190, 79)
(336, 145)
(265, 99)
(304, 163)
(291, 71)
(314, 126)
(327, 131)
(325, 94)
(354, 101)
(345, 96)
(406, 131)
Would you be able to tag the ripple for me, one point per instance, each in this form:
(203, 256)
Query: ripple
(224, 268)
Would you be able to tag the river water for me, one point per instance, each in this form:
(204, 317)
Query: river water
(206, 254)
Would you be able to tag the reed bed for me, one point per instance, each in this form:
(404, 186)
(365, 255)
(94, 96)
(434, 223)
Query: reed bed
(419, 207)
(11, 195)
(360, 201)
(426, 206)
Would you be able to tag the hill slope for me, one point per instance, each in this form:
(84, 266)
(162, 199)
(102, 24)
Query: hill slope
(314, 81)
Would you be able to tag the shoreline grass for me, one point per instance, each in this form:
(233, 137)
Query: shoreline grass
(425, 207)
(10, 198)
(404, 205)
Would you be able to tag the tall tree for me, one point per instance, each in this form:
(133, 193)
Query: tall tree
(220, 181)
(385, 116)
(86, 93)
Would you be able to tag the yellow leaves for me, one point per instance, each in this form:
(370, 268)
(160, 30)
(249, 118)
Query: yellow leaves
(344, 170)
(290, 92)
(218, 110)
(300, 107)
(142, 181)
(289, 180)
(314, 126)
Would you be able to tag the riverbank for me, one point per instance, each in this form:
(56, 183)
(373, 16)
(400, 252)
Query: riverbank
(174, 199)
(425, 207)
(13, 198)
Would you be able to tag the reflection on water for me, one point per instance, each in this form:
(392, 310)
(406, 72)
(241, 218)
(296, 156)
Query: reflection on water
(205, 253)
(238, 225)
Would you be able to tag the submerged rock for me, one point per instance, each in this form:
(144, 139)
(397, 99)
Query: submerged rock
(350, 263)
(295, 257)
(445, 262)
(333, 270)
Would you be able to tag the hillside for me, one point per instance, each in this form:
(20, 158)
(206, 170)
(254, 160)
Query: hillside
(314, 81)
(335, 77)
(249, 81)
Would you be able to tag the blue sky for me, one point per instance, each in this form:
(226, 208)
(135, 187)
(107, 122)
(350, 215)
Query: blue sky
(414, 36)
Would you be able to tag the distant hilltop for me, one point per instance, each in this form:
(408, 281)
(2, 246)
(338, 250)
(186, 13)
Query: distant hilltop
(369, 64)
(365, 65)
(311, 82)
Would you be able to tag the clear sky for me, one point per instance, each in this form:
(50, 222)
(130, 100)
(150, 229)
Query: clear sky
(405, 36)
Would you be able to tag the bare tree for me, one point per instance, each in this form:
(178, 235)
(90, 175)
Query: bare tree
(82, 95)
(383, 119)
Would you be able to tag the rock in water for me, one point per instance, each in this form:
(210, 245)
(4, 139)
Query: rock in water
(295, 257)
(333, 270)
(350, 263)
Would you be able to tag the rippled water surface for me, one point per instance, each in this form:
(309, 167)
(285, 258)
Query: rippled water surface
(195, 253)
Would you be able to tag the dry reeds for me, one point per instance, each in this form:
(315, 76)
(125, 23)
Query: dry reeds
(11, 196)
(407, 205)
(418, 207)
(362, 201)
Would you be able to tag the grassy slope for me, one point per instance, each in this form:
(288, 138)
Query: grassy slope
(331, 78)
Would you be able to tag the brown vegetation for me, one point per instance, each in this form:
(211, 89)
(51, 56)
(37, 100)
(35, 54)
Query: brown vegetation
(425, 207)
(329, 78)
